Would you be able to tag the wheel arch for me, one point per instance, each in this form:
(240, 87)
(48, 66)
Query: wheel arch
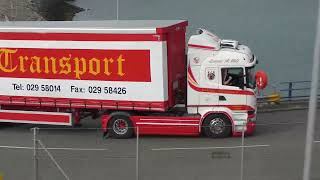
(224, 111)
(105, 119)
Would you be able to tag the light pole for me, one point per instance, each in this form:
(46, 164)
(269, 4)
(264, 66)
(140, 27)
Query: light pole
(117, 9)
(312, 103)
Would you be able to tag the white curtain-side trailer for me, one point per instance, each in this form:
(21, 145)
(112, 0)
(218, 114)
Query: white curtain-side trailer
(134, 72)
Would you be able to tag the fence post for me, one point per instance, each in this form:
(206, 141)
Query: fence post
(242, 152)
(290, 91)
(137, 154)
(35, 153)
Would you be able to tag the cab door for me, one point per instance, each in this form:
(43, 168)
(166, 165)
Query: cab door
(209, 82)
(231, 93)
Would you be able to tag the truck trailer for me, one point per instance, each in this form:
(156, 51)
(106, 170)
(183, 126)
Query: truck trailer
(139, 74)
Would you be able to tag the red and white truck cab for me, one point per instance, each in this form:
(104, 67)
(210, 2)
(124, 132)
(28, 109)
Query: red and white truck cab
(221, 81)
(134, 72)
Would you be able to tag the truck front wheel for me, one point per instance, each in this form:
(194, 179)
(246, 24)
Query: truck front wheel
(217, 126)
(121, 127)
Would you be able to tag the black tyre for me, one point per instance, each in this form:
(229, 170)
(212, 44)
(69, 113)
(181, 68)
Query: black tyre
(217, 126)
(120, 126)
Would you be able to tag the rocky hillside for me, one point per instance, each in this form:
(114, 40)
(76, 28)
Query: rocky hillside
(18, 10)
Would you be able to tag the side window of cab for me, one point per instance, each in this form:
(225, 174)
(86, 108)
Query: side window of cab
(232, 77)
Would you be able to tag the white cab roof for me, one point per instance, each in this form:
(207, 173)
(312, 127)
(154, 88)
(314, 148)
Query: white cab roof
(108, 26)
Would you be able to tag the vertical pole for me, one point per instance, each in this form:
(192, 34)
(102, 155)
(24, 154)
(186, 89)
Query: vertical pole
(35, 153)
(312, 103)
(137, 155)
(290, 91)
(117, 9)
(242, 153)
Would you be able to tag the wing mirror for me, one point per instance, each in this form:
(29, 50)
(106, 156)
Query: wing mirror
(261, 79)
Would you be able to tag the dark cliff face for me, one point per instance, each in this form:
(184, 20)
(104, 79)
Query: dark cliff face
(56, 10)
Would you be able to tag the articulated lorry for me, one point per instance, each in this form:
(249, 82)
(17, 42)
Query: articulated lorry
(136, 73)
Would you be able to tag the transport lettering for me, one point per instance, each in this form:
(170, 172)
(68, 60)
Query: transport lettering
(67, 64)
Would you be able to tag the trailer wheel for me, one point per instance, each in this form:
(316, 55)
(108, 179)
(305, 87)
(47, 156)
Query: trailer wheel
(217, 126)
(121, 127)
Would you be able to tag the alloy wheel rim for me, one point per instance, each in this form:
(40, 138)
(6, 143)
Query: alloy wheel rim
(217, 126)
(120, 126)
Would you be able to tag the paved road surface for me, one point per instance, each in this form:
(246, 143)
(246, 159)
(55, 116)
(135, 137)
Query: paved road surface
(275, 152)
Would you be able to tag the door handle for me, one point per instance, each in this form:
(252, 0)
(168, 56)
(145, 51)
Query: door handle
(222, 98)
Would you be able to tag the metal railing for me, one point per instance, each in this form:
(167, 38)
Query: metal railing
(286, 91)
(295, 90)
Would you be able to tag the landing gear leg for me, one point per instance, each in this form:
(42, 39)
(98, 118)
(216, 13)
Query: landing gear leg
(77, 118)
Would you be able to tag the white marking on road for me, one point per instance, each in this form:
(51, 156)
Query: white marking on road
(206, 148)
(67, 149)
(316, 141)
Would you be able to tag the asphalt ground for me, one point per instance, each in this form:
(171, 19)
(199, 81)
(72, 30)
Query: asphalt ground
(274, 152)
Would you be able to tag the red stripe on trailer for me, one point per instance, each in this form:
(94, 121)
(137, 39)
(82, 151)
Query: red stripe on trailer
(222, 91)
(167, 119)
(201, 46)
(159, 35)
(35, 117)
(84, 103)
(167, 125)
(169, 130)
(80, 36)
